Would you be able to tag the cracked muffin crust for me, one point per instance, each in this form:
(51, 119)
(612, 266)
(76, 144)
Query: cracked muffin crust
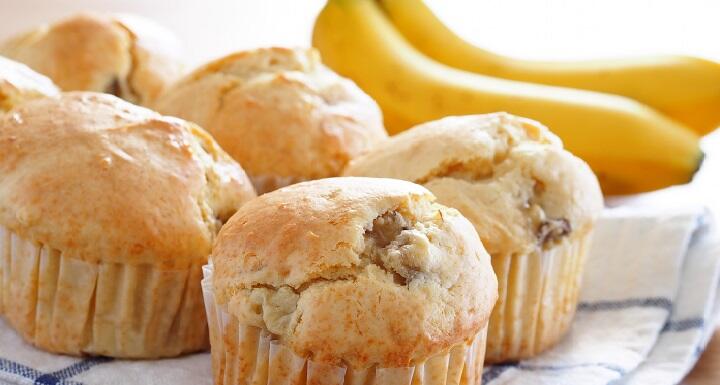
(279, 112)
(101, 179)
(532, 203)
(107, 213)
(18, 83)
(510, 176)
(355, 271)
(123, 55)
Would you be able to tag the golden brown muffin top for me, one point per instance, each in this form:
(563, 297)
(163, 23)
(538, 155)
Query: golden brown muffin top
(123, 55)
(103, 180)
(355, 271)
(18, 83)
(279, 112)
(509, 176)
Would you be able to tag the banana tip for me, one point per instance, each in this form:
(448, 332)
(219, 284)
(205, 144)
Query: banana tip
(700, 162)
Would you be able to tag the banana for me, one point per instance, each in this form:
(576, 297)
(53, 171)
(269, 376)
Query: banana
(684, 88)
(631, 147)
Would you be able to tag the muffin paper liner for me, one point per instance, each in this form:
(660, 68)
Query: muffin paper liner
(67, 305)
(245, 354)
(538, 295)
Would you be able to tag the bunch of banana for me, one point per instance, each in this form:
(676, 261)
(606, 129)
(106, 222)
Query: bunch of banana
(686, 89)
(630, 146)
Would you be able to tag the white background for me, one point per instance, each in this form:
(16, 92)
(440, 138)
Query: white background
(542, 29)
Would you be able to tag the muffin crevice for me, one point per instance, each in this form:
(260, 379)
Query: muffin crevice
(233, 83)
(113, 87)
(471, 170)
(125, 80)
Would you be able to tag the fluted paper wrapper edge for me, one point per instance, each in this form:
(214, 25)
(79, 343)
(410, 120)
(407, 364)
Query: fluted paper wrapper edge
(244, 354)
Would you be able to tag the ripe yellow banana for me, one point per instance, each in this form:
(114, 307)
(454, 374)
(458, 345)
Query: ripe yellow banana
(684, 88)
(630, 146)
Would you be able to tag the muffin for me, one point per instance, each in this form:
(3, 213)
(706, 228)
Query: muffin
(532, 203)
(279, 112)
(107, 215)
(348, 281)
(127, 56)
(18, 83)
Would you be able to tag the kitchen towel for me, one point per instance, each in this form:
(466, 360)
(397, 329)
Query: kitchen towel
(647, 305)
(647, 310)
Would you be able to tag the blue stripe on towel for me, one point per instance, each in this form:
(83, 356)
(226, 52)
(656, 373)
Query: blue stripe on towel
(8, 366)
(683, 325)
(47, 379)
(492, 372)
(603, 365)
(658, 302)
(59, 377)
(496, 371)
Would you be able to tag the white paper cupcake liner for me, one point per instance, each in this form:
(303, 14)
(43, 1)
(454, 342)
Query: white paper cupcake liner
(66, 305)
(244, 354)
(538, 294)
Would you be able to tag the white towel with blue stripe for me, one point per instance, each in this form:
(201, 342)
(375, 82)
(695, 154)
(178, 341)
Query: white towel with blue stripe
(647, 304)
(647, 310)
